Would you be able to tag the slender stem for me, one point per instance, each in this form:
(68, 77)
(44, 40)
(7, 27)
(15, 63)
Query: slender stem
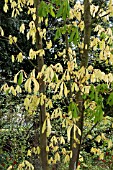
(42, 87)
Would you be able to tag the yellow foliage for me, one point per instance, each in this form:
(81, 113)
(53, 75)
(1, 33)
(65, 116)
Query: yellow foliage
(57, 156)
(110, 143)
(89, 136)
(48, 127)
(38, 150)
(29, 153)
(47, 148)
(22, 28)
(69, 132)
(49, 44)
(5, 8)
(98, 138)
(12, 39)
(66, 159)
(1, 31)
(13, 58)
(10, 167)
(44, 126)
(101, 156)
(20, 57)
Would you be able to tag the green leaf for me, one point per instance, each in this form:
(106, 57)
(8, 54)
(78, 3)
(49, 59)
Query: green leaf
(20, 80)
(92, 91)
(51, 11)
(96, 96)
(58, 34)
(98, 114)
(76, 38)
(54, 78)
(43, 9)
(72, 35)
(59, 13)
(74, 109)
(110, 99)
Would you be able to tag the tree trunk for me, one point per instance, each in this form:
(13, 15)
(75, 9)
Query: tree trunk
(84, 61)
(40, 63)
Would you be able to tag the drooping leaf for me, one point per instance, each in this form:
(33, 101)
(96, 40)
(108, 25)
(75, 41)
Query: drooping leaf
(20, 80)
(74, 109)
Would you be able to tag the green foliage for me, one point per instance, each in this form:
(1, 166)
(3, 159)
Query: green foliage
(74, 109)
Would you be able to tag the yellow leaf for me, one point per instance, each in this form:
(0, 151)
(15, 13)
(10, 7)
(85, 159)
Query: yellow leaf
(28, 85)
(64, 151)
(1, 31)
(69, 132)
(18, 89)
(55, 148)
(57, 156)
(78, 167)
(48, 127)
(38, 150)
(62, 141)
(5, 8)
(10, 39)
(65, 90)
(13, 58)
(66, 159)
(28, 153)
(49, 44)
(103, 136)
(101, 156)
(36, 85)
(41, 52)
(6, 1)
(13, 90)
(34, 17)
(22, 28)
(14, 39)
(44, 126)
(93, 150)
(81, 25)
(98, 138)
(81, 159)
(15, 78)
(61, 89)
(75, 87)
(20, 57)
(46, 21)
(109, 143)
(89, 136)
(47, 148)
(54, 139)
(10, 167)
(29, 165)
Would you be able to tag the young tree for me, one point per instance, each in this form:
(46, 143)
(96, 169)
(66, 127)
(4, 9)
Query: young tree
(72, 84)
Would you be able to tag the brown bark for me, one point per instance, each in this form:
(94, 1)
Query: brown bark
(84, 61)
(40, 63)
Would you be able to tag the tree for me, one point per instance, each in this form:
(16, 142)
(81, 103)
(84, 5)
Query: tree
(73, 84)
